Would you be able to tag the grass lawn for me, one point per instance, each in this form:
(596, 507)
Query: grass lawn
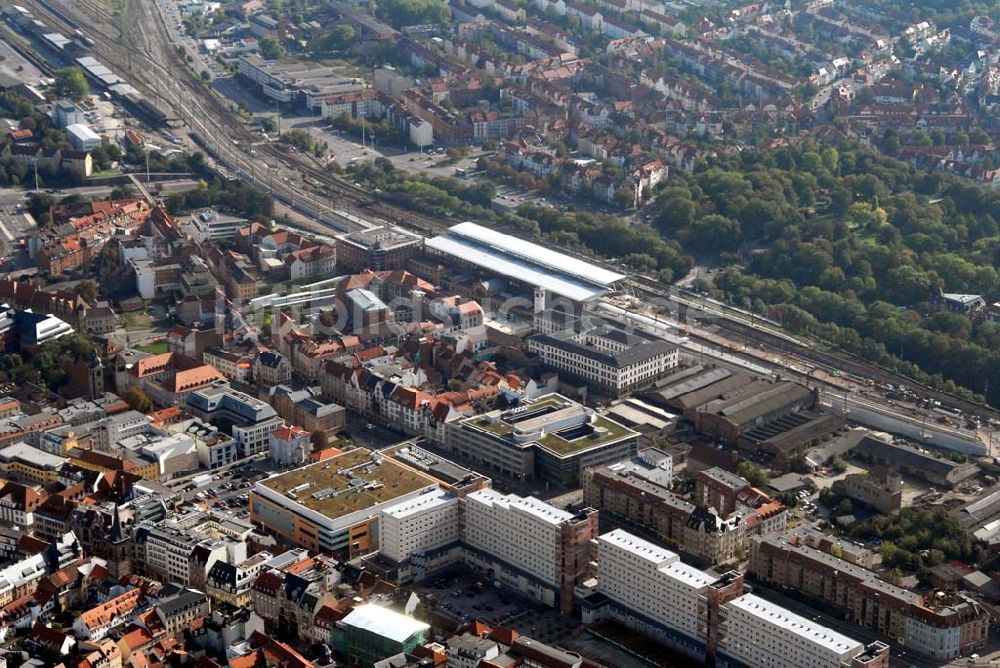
(136, 321)
(154, 348)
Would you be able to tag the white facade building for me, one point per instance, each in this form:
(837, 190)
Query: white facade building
(421, 534)
(650, 589)
(651, 580)
(253, 439)
(525, 543)
(761, 633)
(607, 358)
(82, 137)
(211, 225)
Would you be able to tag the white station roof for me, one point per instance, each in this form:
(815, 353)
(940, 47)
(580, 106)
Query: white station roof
(525, 261)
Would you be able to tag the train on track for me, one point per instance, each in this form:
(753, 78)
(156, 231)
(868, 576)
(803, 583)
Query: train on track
(75, 49)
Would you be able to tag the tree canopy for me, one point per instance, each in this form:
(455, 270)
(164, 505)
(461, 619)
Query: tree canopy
(413, 12)
(71, 82)
(850, 246)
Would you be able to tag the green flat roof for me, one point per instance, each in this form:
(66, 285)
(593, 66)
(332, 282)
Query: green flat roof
(552, 441)
(395, 479)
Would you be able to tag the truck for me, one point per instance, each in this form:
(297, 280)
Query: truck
(202, 480)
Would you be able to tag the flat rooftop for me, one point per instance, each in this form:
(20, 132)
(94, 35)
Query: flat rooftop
(384, 237)
(384, 622)
(347, 483)
(39, 459)
(525, 261)
(421, 503)
(15, 69)
(527, 504)
(563, 427)
(804, 628)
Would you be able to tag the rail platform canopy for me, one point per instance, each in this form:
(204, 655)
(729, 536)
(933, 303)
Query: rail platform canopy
(525, 261)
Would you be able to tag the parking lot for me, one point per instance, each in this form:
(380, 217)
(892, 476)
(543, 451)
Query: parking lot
(228, 491)
(464, 596)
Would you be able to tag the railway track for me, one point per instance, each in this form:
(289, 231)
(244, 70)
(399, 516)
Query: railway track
(157, 70)
(831, 363)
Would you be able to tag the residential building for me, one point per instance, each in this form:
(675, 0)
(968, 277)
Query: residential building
(305, 408)
(529, 545)
(756, 632)
(230, 583)
(709, 617)
(289, 446)
(468, 650)
(421, 535)
(96, 623)
(185, 547)
(726, 513)
(940, 627)
(271, 368)
(182, 610)
(18, 504)
(233, 364)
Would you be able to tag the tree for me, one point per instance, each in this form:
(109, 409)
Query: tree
(71, 82)
(122, 192)
(890, 142)
(754, 474)
(342, 36)
(715, 233)
(137, 399)
(40, 203)
(320, 440)
(87, 291)
(270, 48)
(624, 197)
(844, 507)
(413, 12)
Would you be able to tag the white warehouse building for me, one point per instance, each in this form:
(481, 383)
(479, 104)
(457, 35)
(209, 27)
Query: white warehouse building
(82, 137)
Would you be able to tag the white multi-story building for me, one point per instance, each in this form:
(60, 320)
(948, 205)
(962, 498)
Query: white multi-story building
(210, 225)
(606, 358)
(660, 590)
(528, 544)
(184, 548)
(709, 617)
(166, 552)
(253, 439)
(421, 534)
(760, 633)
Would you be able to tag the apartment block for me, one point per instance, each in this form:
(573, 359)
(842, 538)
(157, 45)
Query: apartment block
(941, 628)
(726, 513)
(709, 617)
(529, 545)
